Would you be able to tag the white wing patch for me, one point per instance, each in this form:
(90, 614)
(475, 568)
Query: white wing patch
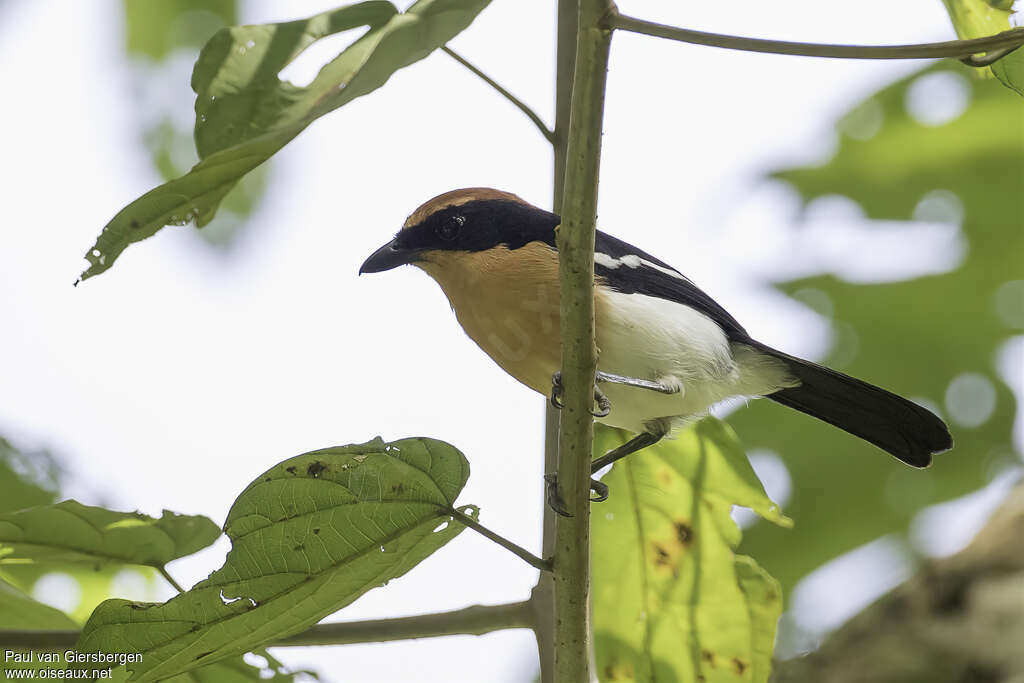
(634, 261)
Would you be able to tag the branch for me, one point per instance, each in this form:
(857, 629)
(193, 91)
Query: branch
(517, 550)
(997, 46)
(579, 353)
(522, 106)
(475, 620)
(543, 595)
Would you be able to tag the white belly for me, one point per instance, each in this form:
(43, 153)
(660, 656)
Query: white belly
(657, 339)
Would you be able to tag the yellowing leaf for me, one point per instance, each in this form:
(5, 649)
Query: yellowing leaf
(671, 599)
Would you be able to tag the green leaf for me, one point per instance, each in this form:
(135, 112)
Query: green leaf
(911, 336)
(245, 113)
(308, 536)
(71, 532)
(20, 611)
(980, 18)
(671, 599)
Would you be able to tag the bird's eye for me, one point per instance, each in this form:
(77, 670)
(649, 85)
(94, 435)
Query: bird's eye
(449, 229)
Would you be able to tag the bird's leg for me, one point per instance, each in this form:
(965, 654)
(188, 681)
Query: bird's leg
(638, 442)
(604, 406)
(653, 385)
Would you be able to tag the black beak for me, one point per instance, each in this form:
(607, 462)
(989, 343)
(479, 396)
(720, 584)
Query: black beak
(387, 257)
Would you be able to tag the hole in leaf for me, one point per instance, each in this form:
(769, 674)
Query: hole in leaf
(441, 527)
(970, 399)
(304, 68)
(938, 98)
(253, 659)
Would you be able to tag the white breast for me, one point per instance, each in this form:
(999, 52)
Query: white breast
(651, 338)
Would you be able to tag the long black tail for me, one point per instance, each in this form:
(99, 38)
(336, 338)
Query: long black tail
(894, 424)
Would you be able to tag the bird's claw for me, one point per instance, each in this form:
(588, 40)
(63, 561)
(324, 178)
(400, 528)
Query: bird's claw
(604, 406)
(555, 501)
(556, 390)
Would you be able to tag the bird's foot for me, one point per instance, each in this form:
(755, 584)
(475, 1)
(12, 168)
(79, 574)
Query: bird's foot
(557, 503)
(604, 406)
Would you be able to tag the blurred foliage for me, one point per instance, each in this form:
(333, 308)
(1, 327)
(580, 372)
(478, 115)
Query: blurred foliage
(69, 532)
(29, 479)
(245, 113)
(671, 599)
(58, 538)
(912, 336)
(308, 536)
(980, 18)
(26, 479)
(19, 611)
(163, 37)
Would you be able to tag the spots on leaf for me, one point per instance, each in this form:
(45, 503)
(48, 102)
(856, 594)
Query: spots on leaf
(684, 532)
(316, 531)
(662, 558)
(315, 469)
(739, 665)
(290, 469)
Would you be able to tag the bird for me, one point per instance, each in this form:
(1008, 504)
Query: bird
(667, 351)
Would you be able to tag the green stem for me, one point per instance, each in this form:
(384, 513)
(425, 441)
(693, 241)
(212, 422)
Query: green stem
(579, 353)
(543, 597)
(960, 49)
(522, 106)
(517, 550)
(170, 579)
(474, 620)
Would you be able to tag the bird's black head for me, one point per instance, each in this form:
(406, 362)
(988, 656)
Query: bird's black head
(473, 219)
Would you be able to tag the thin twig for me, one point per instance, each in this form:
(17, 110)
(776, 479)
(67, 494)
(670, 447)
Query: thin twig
(1003, 43)
(170, 579)
(519, 551)
(522, 106)
(474, 620)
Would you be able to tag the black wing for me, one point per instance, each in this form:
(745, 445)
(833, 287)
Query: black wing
(647, 277)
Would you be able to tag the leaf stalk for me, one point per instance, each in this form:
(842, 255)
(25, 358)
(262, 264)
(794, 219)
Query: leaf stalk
(998, 45)
(548, 134)
(517, 550)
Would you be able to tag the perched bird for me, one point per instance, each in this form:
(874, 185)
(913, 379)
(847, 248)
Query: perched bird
(667, 351)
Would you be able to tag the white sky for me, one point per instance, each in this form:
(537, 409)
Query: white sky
(178, 376)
